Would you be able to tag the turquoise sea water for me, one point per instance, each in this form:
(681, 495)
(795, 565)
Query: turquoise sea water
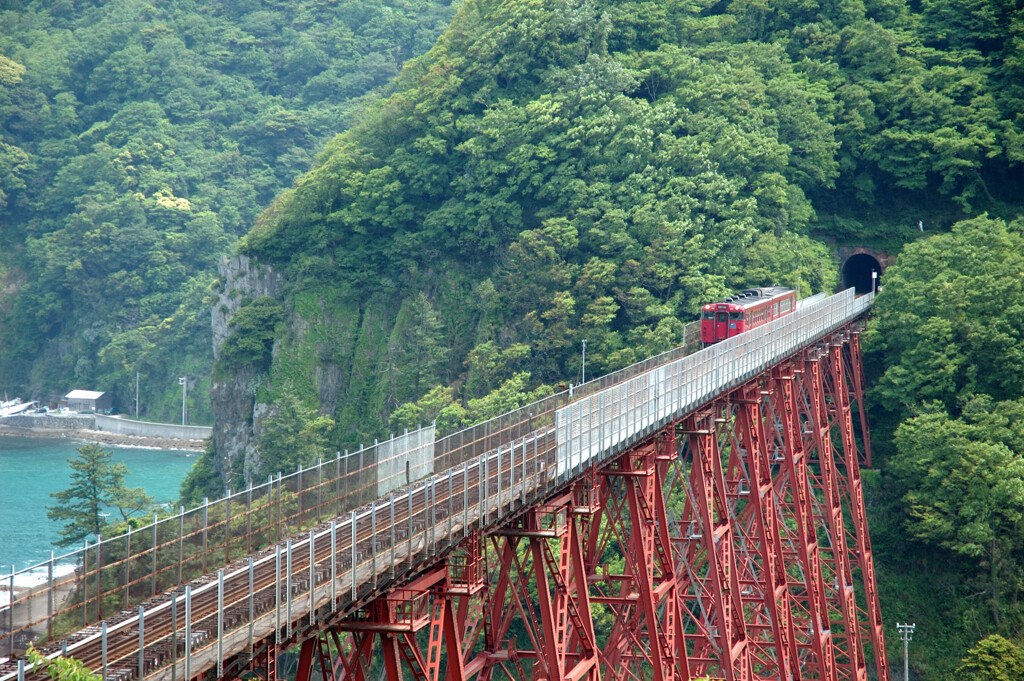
(31, 468)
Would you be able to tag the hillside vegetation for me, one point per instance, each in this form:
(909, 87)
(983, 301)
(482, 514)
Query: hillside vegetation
(558, 171)
(946, 357)
(543, 173)
(551, 172)
(138, 141)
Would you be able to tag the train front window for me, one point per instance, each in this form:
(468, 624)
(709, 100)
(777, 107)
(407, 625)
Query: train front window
(708, 314)
(723, 317)
(736, 316)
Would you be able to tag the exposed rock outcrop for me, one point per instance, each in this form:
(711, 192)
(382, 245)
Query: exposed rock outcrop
(234, 400)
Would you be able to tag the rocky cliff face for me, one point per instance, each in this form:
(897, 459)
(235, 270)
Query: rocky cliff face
(236, 412)
(353, 357)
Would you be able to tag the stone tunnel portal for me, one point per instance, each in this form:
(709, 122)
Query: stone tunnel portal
(857, 272)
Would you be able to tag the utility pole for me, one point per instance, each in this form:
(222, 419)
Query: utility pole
(874, 281)
(906, 634)
(136, 394)
(583, 369)
(183, 381)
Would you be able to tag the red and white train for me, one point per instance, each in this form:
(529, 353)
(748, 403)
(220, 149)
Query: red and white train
(744, 311)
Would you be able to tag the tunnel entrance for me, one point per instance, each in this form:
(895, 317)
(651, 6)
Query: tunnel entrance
(857, 272)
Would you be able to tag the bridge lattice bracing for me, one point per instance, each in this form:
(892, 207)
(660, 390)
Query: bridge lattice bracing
(702, 518)
(729, 544)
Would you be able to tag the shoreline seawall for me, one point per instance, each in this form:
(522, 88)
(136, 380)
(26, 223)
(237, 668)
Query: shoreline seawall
(82, 428)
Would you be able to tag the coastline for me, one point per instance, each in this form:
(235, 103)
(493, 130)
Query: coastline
(105, 438)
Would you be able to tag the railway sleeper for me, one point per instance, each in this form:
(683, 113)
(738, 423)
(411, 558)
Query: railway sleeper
(120, 674)
(155, 656)
(232, 621)
(238, 610)
(262, 603)
(177, 642)
(199, 637)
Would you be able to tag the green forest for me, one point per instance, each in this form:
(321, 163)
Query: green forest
(559, 171)
(945, 359)
(138, 142)
(457, 196)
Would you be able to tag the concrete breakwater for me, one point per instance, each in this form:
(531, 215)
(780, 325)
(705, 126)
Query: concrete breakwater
(107, 430)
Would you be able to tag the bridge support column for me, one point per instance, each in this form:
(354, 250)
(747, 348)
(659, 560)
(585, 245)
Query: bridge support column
(854, 367)
(765, 593)
(265, 662)
(821, 416)
(544, 547)
(845, 369)
(710, 518)
(344, 651)
(646, 637)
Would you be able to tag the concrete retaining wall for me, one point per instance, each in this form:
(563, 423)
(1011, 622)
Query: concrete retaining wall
(44, 422)
(169, 431)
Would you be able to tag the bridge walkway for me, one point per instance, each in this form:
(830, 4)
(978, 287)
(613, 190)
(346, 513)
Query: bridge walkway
(341, 558)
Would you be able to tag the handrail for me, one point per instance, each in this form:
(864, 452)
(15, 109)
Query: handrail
(562, 430)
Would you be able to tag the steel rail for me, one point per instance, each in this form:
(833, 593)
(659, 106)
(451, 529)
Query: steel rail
(368, 562)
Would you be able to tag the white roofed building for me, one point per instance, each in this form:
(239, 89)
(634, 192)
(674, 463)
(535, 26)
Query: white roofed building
(88, 400)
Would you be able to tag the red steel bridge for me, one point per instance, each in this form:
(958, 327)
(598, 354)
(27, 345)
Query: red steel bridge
(698, 515)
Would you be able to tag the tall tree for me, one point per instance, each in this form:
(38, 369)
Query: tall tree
(964, 482)
(950, 318)
(993, 659)
(96, 484)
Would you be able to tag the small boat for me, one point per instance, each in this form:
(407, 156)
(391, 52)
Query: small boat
(15, 406)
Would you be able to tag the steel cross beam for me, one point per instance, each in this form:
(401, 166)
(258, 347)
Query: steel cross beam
(647, 599)
(855, 370)
(775, 644)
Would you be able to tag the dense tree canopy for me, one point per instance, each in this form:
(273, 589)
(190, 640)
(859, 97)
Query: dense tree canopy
(951, 321)
(554, 172)
(947, 348)
(137, 143)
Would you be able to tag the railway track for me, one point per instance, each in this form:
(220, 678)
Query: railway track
(347, 560)
(330, 569)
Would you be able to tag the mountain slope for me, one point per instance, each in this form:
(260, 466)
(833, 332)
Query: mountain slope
(551, 172)
(136, 144)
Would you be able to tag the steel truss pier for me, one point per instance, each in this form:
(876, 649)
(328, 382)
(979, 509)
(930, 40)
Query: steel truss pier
(694, 515)
(730, 544)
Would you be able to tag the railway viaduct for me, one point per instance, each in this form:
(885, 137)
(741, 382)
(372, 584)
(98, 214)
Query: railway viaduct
(699, 514)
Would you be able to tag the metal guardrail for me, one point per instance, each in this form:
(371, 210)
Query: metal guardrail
(603, 423)
(494, 468)
(73, 590)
